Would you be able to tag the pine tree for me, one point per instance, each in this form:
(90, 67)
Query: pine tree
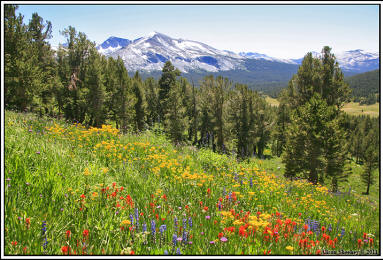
(315, 95)
(175, 117)
(139, 117)
(152, 100)
(95, 96)
(370, 158)
(167, 80)
(22, 76)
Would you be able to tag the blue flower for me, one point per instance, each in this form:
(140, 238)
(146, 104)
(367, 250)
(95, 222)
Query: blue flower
(166, 252)
(174, 239)
(190, 222)
(178, 251)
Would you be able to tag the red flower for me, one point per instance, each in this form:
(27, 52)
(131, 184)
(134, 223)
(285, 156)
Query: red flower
(364, 235)
(299, 214)
(318, 252)
(65, 250)
(132, 252)
(114, 184)
(360, 242)
(122, 188)
(306, 227)
(85, 233)
(205, 208)
(82, 196)
(371, 241)
(164, 197)
(28, 221)
(323, 229)
(14, 243)
(186, 207)
(157, 216)
(67, 234)
(220, 235)
(208, 191)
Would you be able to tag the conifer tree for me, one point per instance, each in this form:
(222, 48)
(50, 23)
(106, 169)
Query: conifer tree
(95, 95)
(316, 94)
(139, 117)
(152, 100)
(168, 79)
(370, 158)
(175, 118)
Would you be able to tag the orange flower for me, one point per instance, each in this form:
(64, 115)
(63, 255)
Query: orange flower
(28, 221)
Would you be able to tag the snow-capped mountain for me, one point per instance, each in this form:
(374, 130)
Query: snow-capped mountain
(358, 60)
(149, 53)
(112, 44)
(255, 55)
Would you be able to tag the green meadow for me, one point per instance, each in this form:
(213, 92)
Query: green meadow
(72, 190)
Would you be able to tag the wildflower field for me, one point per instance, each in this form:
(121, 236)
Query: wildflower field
(69, 190)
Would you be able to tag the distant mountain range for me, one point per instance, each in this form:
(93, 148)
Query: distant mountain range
(149, 53)
(194, 59)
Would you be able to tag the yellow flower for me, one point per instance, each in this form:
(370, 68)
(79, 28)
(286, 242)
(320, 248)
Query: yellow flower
(125, 222)
(86, 172)
(290, 248)
(105, 170)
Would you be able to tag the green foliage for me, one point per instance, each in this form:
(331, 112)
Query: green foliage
(315, 139)
(364, 86)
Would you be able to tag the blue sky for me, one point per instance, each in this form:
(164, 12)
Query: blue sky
(283, 31)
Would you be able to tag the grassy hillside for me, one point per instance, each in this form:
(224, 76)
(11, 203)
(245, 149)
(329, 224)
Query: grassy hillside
(72, 190)
(351, 108)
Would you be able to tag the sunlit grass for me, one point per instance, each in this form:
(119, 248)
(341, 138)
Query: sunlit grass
(73, 190)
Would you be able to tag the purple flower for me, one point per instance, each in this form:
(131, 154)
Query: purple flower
(38, 152)
(223, 239)
(8, 179)
(202, 233)
(212, 242)
(179, 239)
(207, 217)
(190, 242)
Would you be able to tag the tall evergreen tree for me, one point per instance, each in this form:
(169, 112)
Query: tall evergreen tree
(175, 118)
(22, 76)
(95, 96)
(139, 117)
(370, 158)
(316, 94)
(168, 79)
